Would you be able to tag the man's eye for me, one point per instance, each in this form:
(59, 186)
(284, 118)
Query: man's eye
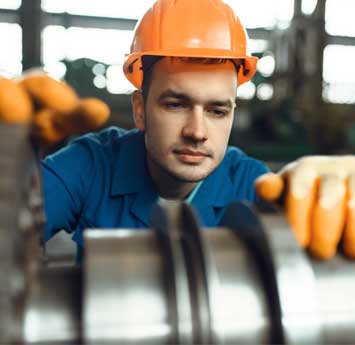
(218, 112)
(174, 105)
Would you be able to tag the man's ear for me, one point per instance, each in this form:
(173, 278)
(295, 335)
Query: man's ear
(138, 109)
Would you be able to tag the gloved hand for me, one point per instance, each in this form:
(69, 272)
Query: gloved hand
(52, 108)
(318, 193)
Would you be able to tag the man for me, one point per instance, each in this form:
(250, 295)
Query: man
(187, 60)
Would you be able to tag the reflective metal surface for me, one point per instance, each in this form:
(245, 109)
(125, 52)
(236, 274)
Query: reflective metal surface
(52, 312)
(19, 227)
(127, 272)
(238, 303)
(301, 319)
(169, 229)
(335, 287)
(125, 289)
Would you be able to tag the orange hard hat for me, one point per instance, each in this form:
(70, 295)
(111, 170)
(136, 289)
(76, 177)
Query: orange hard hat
(189, 28)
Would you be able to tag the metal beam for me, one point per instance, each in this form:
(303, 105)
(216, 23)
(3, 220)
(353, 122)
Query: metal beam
(8, 16)
(341, 40)
(260, 34)
(66, 20)
(31, 21)
(297, 8)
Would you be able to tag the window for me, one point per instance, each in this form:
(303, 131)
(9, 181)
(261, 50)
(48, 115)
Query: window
(258, 46)
(11, 57)
(10, 4)
(133, 9)
(269, 14)
(253, 13)
(339, 17)
(102, 45)
(108, 46)
(308, 6)
(338, 74)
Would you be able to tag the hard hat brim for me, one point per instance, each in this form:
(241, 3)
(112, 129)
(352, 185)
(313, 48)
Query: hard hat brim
(133, 67)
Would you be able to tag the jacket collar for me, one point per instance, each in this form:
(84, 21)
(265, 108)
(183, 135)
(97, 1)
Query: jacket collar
(131, 176)
(130, 172)
(215, 193)
(217, 188)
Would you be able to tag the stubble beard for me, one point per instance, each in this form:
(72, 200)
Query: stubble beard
(179, 177)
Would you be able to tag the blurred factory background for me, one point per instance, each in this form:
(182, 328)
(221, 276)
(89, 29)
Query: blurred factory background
(302, 100)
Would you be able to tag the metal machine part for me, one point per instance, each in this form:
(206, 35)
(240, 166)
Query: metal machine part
(21, 221)
(254, 285)
(244, 282)
(52, 309)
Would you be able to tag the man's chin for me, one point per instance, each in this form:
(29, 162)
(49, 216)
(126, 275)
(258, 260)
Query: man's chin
(190, 177)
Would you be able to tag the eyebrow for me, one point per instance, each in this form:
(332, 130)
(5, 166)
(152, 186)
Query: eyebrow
(184, 97)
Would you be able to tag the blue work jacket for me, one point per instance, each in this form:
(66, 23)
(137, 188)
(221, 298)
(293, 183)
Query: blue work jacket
(101, 181)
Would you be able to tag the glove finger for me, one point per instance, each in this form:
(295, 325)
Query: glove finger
(90, 114)
(269, 186)
(328, 217)
(349, 232)
(15, 104)
(44, 128)
(299, 205)
(50, 93)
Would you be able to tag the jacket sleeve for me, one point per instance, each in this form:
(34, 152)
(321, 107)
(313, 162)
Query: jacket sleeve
(259, 168)
(245, 173)
(67, 177)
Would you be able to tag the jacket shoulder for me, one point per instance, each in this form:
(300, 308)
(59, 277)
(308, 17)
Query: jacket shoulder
(235, 157)
(243, 168)
(87, 158)
(106, 137)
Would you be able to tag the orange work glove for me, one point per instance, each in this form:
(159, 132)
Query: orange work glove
(50, 93)
(50, 126)
(15, 103)
(319, 198)
(52, 107)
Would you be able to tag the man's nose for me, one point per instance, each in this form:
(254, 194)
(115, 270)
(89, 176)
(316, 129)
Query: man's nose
(195, 127)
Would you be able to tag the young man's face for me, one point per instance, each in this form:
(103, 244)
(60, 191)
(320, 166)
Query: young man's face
(187, 117)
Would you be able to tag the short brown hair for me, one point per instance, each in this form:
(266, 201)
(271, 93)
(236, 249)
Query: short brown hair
(148, 62)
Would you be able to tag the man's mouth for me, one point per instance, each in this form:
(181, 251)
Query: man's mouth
(191, 156)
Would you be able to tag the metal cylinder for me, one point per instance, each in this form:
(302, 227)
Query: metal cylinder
(141, 288)
(20, 223)
(335, 286)
(52, 311)
(126, 296)
(238, 302)
(316, 296)
(129, 300)
(300, 316)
